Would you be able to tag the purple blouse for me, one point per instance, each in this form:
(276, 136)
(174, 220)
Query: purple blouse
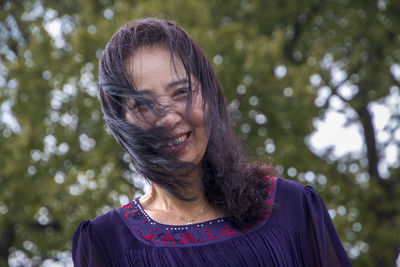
(296, 231)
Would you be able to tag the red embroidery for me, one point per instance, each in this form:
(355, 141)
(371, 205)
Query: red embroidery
(271, 186)
(210, 236)
(228, 231)
(167, 239)
(187, 238)
(151, 235)
(127, 214)
(130, 212)
(217, 229)
(127, 205)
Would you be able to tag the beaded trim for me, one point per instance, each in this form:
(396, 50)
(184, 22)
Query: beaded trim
(157, 234)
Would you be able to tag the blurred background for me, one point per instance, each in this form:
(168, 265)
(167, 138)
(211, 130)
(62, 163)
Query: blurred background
(313, 86)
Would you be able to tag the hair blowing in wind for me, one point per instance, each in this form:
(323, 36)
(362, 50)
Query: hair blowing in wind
(230, 182)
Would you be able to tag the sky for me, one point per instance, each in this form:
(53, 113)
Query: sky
(347, 139)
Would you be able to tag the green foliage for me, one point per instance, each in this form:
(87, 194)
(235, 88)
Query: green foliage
(61, 165)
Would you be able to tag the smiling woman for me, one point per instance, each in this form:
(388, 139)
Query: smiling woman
(208, 206)
(166, 84)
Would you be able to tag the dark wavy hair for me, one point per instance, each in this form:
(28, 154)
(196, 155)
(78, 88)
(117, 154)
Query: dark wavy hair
(235, 186)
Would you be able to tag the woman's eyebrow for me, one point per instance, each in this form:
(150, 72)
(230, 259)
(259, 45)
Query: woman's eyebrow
(177, 82)
(169, 86)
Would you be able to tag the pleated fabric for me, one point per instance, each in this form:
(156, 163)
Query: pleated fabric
(297, 231)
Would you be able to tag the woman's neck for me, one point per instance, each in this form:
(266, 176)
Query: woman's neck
(159, 199)
(164, 208)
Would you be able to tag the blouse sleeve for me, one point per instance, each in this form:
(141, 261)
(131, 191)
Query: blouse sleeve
(87, 248)
(325, 248)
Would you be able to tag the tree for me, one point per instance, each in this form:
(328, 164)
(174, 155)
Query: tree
(282, 64)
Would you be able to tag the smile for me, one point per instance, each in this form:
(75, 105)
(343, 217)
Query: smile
(180, 140)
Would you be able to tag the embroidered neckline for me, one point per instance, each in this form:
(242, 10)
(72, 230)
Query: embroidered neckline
(137, 202)
(153, 233)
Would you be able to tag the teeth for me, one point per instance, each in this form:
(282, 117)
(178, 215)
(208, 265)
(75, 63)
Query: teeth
(177, 141)
(180, 139)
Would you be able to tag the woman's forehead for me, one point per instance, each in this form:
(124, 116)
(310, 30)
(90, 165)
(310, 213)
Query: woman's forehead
(152, 68)
(148, 60)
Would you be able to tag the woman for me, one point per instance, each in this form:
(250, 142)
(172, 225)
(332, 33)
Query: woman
(207, 206)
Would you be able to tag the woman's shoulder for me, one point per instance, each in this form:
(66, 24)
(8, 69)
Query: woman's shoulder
(108, 221)
(99, 229)
(112, 223)
(88, 243)
(290, 185)
(293, 204)
(106, 235)
(290, 189)
(289, 194)
(101, 223)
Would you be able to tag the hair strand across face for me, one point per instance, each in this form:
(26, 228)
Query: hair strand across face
(230, 182)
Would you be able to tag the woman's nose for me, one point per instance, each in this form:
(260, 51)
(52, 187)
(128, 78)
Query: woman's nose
(171, 113)
(170, 119)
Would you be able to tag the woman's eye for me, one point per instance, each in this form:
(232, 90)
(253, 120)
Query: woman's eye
(140, 107)
(181, 91)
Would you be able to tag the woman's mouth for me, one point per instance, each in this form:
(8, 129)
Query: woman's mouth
(178, 143)
(178, 140)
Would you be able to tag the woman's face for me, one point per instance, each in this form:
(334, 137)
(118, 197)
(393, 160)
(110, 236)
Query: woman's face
(156, 76)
